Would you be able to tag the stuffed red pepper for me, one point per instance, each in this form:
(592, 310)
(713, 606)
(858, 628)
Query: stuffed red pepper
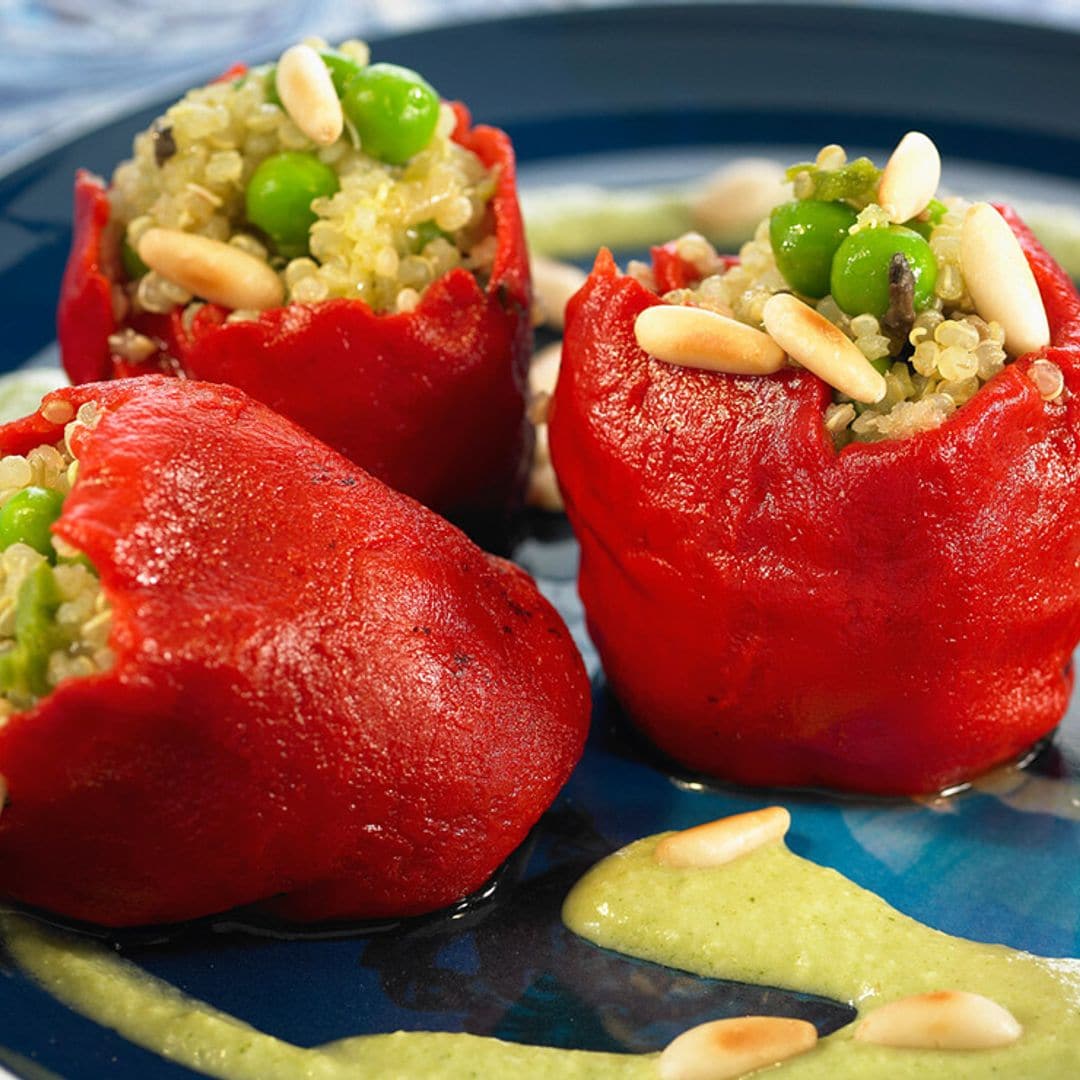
(329, 236)
(828, 495)
(235, 668)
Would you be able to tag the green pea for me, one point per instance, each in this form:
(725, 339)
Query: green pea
(341, 68)
(279, 197)
(23, 667)
(270, 86)
(935, 211)
(25, 518)
(805, 235)
(860, 269)
(134, 267)
(393, 110)
(421, 235)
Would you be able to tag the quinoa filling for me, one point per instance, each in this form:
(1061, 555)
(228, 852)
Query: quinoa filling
(898, 292)
(378, 214)
(55, 619)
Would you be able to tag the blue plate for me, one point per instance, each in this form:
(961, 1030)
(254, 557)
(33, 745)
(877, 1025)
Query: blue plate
(624, 96)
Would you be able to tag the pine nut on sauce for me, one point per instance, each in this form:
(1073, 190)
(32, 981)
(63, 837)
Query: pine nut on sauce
(726, 1049)
(723, 841)
(942, 1020)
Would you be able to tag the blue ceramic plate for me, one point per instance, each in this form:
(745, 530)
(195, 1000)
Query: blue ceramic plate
(623, 97)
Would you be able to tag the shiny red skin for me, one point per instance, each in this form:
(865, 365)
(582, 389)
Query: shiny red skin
(893, 618)
(325, 697)
(432, 402)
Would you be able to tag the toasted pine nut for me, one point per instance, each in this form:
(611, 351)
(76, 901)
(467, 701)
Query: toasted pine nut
(307, 92)
(1000, 280)
(554, 283)
(725, 1049)
(57, 411)
(735, 198)
(218, 272)
(699, 338)
(910, 178)
(723, 841)
(821, 347)
(943, 1020)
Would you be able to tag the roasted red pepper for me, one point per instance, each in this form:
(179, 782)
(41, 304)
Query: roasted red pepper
(432, 402)
(892, 618)
(324, 694)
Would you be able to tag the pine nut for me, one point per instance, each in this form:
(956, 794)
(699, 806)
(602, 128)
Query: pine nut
(307, 92)
(1000, 280)
(910, 178)
(725, 1049)
(735, 198)
(216, 271)
(831, 157)
(697, 338)
(554, 283)
(3, 782)
(822, 348)
(943, 1020)
(723, 841)
(57, 411)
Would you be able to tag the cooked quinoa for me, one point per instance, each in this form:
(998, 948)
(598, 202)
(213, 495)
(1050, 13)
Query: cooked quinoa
(933, 363)
(384, 236)
(55, 619)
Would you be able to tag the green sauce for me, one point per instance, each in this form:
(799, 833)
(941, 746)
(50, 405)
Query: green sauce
(769, 918)
(776, 919)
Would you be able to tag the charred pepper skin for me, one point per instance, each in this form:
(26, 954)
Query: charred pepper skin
(431, 401)
(893, 618)
(325, 697)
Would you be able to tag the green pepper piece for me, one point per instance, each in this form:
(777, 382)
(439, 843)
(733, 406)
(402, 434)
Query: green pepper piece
(393, 110)
(279, 197)
(805, 234)
(134, 267)
(23, 668)
(856, 182)
(269, 78)
(860, 269)
(26, 518)
(425, 232)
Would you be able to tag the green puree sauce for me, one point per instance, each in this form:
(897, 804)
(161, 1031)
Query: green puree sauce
(769, 918)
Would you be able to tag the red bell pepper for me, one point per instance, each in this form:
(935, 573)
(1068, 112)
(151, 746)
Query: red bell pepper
(432, 402)
(323, 693)
(891, 618)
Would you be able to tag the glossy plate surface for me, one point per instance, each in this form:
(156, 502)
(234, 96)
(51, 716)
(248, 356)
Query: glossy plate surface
(625, 97)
